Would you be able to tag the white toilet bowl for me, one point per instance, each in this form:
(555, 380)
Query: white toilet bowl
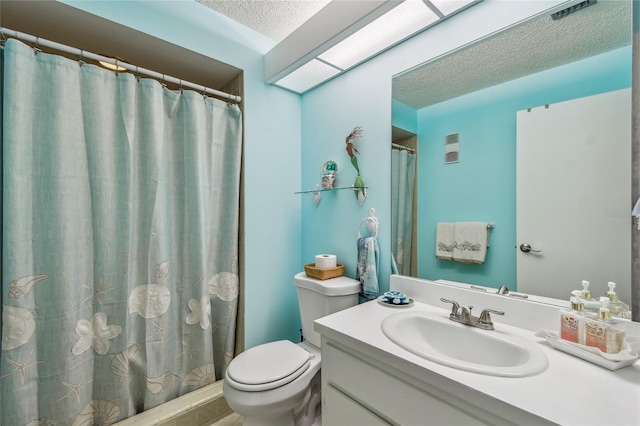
(277, 383)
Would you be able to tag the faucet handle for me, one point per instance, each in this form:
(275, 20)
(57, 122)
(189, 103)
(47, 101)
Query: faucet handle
(486, 318)
(455, 306)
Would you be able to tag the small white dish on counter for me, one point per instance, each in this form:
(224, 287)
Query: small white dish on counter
(383, 301)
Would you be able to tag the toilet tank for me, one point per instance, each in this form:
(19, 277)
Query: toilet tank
(319, 298)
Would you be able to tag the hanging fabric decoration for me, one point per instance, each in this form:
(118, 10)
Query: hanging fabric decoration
(368, 257)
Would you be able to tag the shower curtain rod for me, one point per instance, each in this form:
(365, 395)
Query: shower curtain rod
(37, 41)
(396, 145)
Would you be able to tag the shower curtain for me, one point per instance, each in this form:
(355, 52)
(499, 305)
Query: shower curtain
(120, 241)
(402, 181)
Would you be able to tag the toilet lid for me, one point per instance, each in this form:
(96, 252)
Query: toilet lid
(269, 365)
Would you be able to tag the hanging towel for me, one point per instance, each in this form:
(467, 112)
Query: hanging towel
(394, 266)
(471, 241)
(367, 271)
(444, 240)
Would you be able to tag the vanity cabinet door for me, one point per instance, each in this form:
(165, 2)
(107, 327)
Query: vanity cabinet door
(384, 395)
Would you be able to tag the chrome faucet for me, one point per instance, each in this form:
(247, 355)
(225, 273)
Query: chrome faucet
(463, 315)
(504, 290)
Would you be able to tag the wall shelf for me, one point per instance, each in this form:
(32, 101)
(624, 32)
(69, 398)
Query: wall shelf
(311, 191)
(361, 193)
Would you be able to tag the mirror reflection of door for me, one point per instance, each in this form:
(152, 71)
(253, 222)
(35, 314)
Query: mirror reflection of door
(574, 210)
(404, 251)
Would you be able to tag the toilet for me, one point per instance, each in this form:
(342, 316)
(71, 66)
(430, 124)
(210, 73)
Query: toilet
(278, 383)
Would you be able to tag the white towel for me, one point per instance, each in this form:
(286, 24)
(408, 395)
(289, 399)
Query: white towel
(444, 240)
(471, 241)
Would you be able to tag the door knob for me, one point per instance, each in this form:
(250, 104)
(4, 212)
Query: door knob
(526, 248)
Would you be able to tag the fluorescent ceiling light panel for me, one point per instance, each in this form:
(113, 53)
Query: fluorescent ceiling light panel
(447, 7)
(392, 27)
(307, 76)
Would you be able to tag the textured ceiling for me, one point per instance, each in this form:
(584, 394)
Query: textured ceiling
(537, 46)
(275, 19)
(533, 47)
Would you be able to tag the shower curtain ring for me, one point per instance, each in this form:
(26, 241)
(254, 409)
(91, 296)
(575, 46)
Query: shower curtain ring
(36, 49)
(181, 89)
(81, 58)
(117, 67)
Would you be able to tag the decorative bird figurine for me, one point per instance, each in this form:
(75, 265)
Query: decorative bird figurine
(358, 186)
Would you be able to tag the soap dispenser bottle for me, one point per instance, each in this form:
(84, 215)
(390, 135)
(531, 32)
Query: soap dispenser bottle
(590, 304)
(602, 332)
(616, 307)
(572, 320)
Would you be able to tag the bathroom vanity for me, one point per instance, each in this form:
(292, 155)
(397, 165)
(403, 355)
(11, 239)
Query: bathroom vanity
(367, 379)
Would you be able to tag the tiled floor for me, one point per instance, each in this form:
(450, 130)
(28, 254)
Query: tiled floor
(233, 419)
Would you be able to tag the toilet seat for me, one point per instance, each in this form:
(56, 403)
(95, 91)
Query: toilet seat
(268, 366)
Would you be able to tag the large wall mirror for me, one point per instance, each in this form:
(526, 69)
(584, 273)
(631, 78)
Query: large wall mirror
(460, 122)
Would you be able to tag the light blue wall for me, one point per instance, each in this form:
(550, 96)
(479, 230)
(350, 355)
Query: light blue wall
(329, 115)
(482, 186)
(404, 117)
(362, 97)
(271, 153)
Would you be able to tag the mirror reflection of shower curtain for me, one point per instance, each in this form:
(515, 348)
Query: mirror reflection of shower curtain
(403, 169)
(120, 249)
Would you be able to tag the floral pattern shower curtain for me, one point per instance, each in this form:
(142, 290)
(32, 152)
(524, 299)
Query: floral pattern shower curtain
(120, 241)
(403, 170)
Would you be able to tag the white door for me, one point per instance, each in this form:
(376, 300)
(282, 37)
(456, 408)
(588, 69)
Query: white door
(574, 195)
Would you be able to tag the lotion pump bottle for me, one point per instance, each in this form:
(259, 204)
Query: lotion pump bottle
(616, 306)
(586, 293)
(603, 333)
(590, 304)
(572, 321)
(611, 293)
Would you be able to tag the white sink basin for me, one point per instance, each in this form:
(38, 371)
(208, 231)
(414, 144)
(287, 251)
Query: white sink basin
(436, 338)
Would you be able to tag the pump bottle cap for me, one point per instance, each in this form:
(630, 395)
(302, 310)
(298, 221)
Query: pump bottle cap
(603, 312)
(576, 302)
(611, 294)
(586, 294)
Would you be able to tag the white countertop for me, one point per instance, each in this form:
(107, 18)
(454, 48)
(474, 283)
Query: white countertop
(570, 391)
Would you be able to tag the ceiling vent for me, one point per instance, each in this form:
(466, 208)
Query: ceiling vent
(576, 7)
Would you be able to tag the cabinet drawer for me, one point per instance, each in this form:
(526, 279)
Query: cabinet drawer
(339, 410)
